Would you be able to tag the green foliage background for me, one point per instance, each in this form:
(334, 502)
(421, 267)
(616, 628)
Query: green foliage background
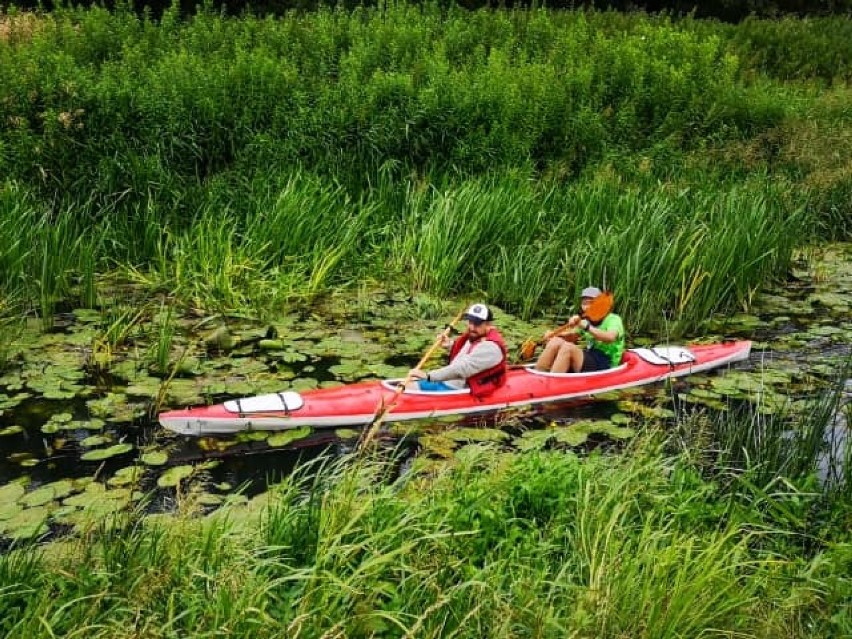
(247, 161)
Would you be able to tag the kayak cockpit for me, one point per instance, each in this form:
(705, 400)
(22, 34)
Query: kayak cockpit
(393, 385)
(592, 374)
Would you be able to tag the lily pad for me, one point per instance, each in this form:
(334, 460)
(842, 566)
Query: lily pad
(285, 437)
(347, 433)
(95, 440)
(154, 458)
(477, 435)
(439, 445)
(47, 493)
(9, 510)
(12, 492)
(106, 453)
(174, 475)
(30, 522)
(533, 440)
(126, 476)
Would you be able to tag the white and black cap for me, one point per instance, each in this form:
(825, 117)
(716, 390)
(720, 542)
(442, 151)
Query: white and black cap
(479, 313)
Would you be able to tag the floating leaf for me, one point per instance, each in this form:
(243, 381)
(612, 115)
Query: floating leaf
(12, 491)
(14, 429)
(105, 453)
(439, 445)
(347, 433)
(30, 522)
(477, 435)
(9, 510)
(285, 437)
(126, 476)
(533, 440)
(174, 475)
(154, 458)
(95, 440)
(47, 493)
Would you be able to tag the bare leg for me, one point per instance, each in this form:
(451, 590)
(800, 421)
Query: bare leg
(551, 350)
(569, 357)
(560, 356)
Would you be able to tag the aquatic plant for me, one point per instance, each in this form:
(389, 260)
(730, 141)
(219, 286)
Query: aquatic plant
(543, 541)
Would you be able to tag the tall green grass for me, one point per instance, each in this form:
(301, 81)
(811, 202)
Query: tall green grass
(496, 544)
(519, 155)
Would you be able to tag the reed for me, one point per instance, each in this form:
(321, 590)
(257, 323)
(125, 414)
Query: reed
(159, 354)
(510, 153)
(634, 545)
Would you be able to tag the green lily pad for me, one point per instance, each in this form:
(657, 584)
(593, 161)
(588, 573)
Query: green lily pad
(347, 433)
(48, 492)
(703, 393)
(87, 315)
(209, 499)
(95, 440)
(570, 435)
(285, 437)
(438, 445)
(106, 453)
(30, 522)
(9, 510)
(174, 475)
(12, 491)
(126, 476)
(148, 387)
(477, 435)
(618, 432)
(154, 458)
(533, 440)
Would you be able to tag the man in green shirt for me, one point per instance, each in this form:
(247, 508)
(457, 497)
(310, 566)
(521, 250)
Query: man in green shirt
(604, 340)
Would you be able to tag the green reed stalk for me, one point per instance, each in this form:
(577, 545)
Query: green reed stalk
(161, 348)
(548, 542)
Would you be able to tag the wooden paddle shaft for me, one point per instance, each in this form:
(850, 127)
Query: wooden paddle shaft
(386, 407)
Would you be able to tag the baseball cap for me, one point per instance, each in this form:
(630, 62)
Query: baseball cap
(590, 291)
(479, 313)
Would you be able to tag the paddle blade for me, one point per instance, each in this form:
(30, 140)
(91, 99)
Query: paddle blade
(528, 349)
(600, 307)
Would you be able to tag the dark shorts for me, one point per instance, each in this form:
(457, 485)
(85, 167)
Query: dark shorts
(595, 360)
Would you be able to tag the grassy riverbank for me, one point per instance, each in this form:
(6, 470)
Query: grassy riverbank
(667, 540)
(247, 163)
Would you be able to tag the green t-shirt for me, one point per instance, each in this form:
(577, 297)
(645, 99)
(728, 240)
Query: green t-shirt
(614, 350)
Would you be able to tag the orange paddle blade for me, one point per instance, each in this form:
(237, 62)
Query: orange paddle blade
(600, 307)
(528, 349)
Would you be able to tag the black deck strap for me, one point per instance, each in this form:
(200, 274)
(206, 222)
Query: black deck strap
(283, 402)
(661, 356)
(239, 408)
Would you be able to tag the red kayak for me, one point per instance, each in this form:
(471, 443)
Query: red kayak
(357, 404)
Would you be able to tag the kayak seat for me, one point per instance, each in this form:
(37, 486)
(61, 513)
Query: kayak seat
(393, 385)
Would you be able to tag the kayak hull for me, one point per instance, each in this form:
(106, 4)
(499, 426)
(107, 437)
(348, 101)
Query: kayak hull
(357, 404)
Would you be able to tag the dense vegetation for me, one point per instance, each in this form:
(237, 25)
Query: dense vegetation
(664, 541)
(249, 162)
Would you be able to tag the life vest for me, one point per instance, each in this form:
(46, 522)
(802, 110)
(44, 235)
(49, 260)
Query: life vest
(485, 382)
